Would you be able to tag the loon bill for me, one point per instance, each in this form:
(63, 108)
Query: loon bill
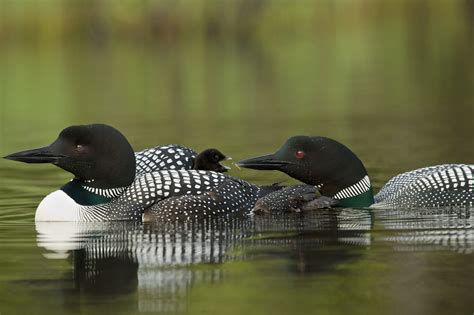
(338, 173)
(105, 185)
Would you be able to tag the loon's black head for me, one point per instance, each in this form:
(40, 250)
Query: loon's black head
(209, 159)
(316, 161)
(98, 155)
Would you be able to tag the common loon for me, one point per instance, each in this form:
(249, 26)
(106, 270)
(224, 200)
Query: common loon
(338, 173)
(105, 187)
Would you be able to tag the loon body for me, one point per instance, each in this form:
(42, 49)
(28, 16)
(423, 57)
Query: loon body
(338, 173)
(105, 187)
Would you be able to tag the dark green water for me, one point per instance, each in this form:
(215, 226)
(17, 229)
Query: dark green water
(396, 85)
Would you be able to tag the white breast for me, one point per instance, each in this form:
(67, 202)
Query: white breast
(57, 206)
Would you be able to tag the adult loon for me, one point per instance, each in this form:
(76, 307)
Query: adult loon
(337, 172)
(105, 187)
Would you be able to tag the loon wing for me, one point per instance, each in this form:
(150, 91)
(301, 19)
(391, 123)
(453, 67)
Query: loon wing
(447, 185)
(232, 197)
(174, 194)
(173, 156)
(149, 189)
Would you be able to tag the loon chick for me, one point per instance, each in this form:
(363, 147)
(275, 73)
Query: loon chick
(294, 198)
(178, 157)
(209, 159)
(105, 187)
(338, 173)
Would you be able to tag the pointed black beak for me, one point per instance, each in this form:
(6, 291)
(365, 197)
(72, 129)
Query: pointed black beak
(265, 162)
(40, 155)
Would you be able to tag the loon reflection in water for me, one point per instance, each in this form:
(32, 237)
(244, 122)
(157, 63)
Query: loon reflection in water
(126, 257)
(121, 257)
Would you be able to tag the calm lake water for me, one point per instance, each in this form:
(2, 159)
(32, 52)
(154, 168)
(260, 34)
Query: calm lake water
(395, 85)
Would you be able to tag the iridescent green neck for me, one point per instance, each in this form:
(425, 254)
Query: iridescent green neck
(363, 200)
(82, 196)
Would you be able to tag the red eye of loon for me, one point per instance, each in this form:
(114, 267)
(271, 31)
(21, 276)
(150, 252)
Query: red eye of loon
(299, 154)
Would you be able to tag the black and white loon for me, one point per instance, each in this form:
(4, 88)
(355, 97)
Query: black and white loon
(338, 173)
(105, 186)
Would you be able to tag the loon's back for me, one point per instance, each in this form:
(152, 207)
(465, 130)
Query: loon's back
(232, 196)
(166, 157)
(440, 186)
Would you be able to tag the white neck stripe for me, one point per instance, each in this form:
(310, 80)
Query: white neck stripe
(358, 188)
(109, 193)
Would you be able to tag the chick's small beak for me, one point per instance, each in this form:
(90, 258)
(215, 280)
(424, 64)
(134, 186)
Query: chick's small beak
(226, 168)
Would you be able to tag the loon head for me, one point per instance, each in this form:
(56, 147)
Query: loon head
(98, 155)
(209, 159)
(322, 162)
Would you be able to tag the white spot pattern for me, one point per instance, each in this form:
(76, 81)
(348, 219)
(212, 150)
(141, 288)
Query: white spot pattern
(231, 197)
(440, 186)
(151, 188)
(172, 156)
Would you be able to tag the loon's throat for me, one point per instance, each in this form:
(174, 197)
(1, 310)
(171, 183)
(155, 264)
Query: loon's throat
(363, 200)
(82, 195)
(359, 194)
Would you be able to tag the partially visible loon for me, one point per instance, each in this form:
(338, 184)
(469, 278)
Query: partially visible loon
(338, 173)
(295, 198)
(105, 187)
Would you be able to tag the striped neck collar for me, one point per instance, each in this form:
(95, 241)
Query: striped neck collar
(87, 196)
(108, 192)
(357, 195)
(358, 188)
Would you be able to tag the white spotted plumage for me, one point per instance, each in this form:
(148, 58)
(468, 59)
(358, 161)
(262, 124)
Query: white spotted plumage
(447, 185)
(172, 156)
(231, 196)
(169, 185)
